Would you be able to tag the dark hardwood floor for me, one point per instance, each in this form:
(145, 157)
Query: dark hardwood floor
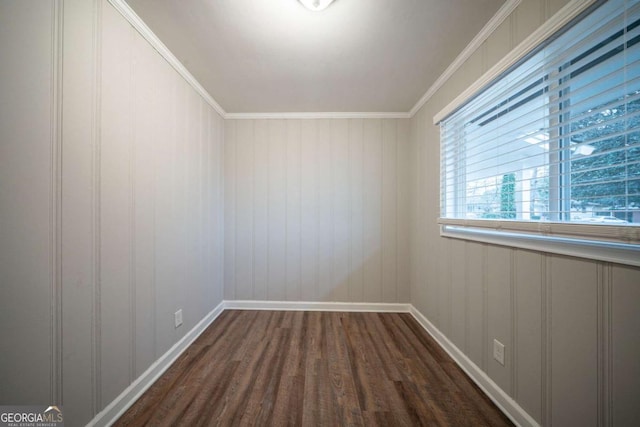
(314, 368)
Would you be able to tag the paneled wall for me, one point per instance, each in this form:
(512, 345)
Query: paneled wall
(115, 177)
(111, 170)
(29, 157)
(317, 210)
(570, 326)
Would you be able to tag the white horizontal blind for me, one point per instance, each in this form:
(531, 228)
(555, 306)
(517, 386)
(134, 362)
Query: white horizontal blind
(558, 137)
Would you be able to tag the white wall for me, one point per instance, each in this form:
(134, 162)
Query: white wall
(110, 212)
(29, 146)
(317, 210)
(570, 326)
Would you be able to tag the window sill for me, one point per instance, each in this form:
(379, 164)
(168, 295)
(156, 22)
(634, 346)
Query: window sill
(618, 244)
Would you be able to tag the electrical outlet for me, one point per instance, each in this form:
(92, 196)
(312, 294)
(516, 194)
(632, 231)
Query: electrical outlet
(178, 317)
(498, 351)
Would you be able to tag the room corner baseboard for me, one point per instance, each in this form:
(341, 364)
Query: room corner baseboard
(129, 396)
(502, 400)
(317, 306)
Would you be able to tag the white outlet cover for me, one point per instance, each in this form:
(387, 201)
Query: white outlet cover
(498, 351)
(178, 318)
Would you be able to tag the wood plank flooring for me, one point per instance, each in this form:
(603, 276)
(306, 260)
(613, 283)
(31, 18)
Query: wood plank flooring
(314, 368)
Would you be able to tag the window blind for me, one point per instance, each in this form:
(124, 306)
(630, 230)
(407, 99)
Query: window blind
(556, 138)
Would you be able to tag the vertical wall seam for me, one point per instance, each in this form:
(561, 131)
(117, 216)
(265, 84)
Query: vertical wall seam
(154, 258)
(198, 207)
(286, 210)
(216, 161)
(609, 402)
(602, 340)
(204, 182)
(332, 201)
(395, 223)
(203, 227)
(132, 206)
(316, 184)
(289, 216)
(268, 199)
(299, 284)
(604, 343)
(448, 287)
(362, 210)
(221, 150)
(216, 183)
(485, 305)
(55, 203)
(253, 209)
(467, 318)
(203, 202)
(513, 314)
(172, 166)
(419, 213)
(350, 204)
(543, 338)
(235, 209)
(547, 355)
(210, 215)
(599, 343)
(96, 118)
(207, 196)
(381, 201)
(187, 208)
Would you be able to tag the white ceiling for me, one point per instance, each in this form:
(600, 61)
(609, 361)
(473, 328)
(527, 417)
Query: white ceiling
(272, 56)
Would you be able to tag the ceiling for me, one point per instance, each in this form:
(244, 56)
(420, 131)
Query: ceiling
(271, 56)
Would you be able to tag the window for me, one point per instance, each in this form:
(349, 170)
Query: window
(556, 139)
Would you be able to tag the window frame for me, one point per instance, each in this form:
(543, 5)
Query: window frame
(609, 243)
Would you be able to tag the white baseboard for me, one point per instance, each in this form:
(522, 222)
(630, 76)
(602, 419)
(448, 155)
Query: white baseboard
(317, 306)
(502, 400)
(128, 397)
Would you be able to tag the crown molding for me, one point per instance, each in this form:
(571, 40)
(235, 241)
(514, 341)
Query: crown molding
(313, 115)
(129, 14)
(503, 13)
(565, 15)
(125, 10)
(132, 17)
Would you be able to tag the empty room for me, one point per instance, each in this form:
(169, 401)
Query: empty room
(319, 212)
